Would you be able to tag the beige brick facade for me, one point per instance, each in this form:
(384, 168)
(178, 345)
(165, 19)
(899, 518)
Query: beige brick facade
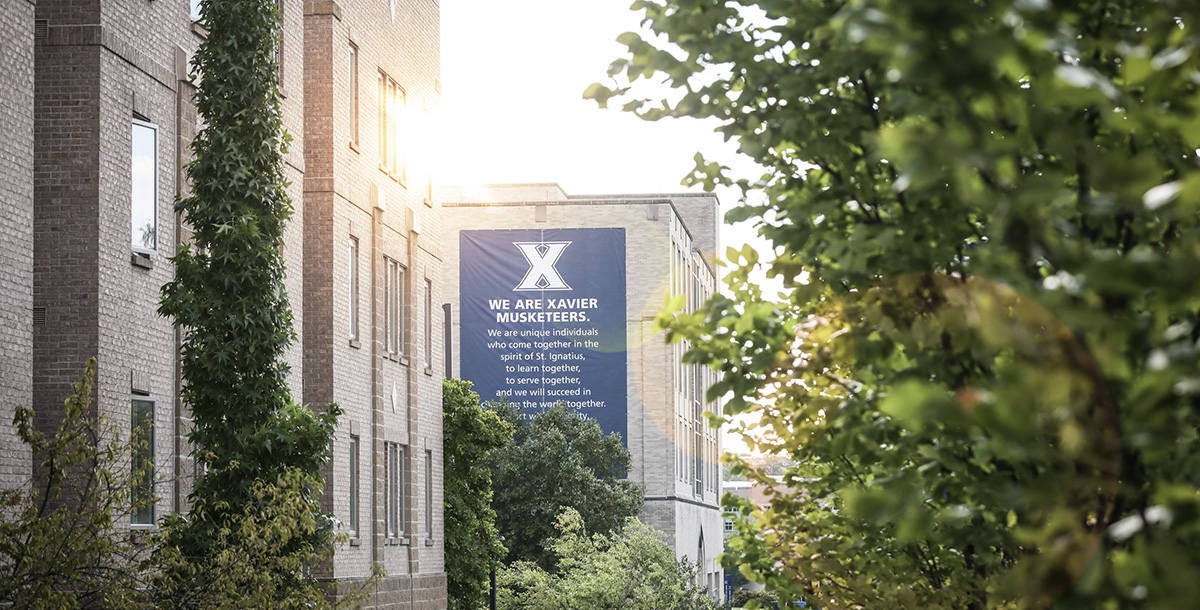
(670, 242)
(76, 75)
(16, 232)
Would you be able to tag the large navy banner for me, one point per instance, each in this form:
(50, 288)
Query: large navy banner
(543, 319)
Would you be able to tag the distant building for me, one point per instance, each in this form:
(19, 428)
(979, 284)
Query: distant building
(97, 119)
(556, 297)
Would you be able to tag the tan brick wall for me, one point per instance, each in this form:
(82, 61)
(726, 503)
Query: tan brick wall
(16, 232)
(102, 62)
(387, 398)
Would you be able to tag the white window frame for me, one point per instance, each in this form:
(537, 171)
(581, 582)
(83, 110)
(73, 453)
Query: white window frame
(137, 194)
(396, 276)
(428, 324)
(429, 493)
(392, 103)
(395, 489)
(352, 251)
(352, 522)
(140, 491)
(353, 93)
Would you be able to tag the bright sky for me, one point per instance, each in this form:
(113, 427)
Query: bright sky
(512, 107)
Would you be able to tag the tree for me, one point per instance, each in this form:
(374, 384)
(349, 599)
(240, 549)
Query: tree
(558, 459)
(984, 217)
(631, 568)
(228, 295)
(470, 434)
(61, 544)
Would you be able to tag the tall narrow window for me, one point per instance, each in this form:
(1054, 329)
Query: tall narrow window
(353, 521)
(394, 286)
(393, 493)
(353, 94)
(395, 489)
(353, 253)
(142, 461)
(279, 43)
(429, 493)
(144, 174)
(392, 101)
(428, 324)
(195, 9)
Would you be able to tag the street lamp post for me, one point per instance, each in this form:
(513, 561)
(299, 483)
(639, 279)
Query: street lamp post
(492, 595)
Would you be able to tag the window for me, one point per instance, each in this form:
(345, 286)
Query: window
(428, 324)
(279, 43)
(395, 489)
(195, 9)
(429, 493)
(142, 461)
(353, 288)
(353, 92)
(353, 522)
(395, 307)
(143, 170)
(392, 101)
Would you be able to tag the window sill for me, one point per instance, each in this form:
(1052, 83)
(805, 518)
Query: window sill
(141, 259)
(397, 541)
(199, 30)
(429, 542)
(140, 534)
(429, 371)
(354, 147)
(355, 541)
(404, 361)
(355, 343)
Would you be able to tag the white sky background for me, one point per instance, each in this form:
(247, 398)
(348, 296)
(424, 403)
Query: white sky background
(512, 107)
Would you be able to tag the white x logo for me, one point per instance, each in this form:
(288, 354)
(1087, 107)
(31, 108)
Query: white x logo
(541, 256)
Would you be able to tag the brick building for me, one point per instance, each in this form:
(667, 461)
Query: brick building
(669, 247)
(98, 118)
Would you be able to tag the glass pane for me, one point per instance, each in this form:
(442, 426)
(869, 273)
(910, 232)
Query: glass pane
(353, 288)
(143, 171)
(429, 493)
(142, 462)
(392, 488)
(353, 484)
(402, 511)
(400, 280)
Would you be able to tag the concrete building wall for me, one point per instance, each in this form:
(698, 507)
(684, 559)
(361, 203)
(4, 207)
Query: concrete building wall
(16, 232)
(654, 226)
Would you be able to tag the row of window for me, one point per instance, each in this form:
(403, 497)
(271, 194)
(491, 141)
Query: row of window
(396, 513)
(142, 476)
(696, 448)
(395, 278)
(393, 101)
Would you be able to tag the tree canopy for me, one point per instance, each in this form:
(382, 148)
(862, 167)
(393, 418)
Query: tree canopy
(984, 359)
(470, 434)
(630, 568)
(228, 295)
(558, 460)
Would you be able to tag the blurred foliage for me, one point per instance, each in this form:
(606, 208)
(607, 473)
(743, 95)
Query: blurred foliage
(630, 568)
(252, 439)
(763, 597)
(984, 360)
(470, 433)
(558, 459)
(61, 542)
